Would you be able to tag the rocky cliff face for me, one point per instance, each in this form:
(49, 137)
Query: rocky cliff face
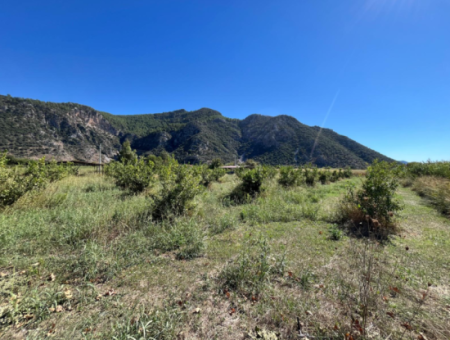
(66, 132)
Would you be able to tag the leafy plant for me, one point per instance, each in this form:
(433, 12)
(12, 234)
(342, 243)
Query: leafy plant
(180, 184)
(136, 176)
(375, 204)
(290, 177)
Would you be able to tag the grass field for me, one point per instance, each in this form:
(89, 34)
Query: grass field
(83, 260)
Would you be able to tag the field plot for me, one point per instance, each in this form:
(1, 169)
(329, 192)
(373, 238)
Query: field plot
(83, 259)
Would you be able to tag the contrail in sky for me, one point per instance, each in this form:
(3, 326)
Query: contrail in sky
(325, 120)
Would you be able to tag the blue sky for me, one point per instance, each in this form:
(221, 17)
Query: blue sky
(385, 64)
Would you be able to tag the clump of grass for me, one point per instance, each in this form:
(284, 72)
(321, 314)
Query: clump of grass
(251, 271)
(185, 236)
(158, 323)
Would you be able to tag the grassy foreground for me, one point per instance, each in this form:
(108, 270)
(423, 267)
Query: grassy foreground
(84, 260)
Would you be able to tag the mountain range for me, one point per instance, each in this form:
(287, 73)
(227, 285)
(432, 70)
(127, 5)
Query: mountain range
(73, 132)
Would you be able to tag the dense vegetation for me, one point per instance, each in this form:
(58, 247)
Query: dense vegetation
(158, 249)
(70, 131)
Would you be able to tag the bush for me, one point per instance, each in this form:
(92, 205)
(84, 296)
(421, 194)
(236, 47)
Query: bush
(290, 177)
(210, 175)
(180, 184)
(134, 177)
(216, 163)
(311, 174)
(374, 205)
(14, 184)
(252, 181)
(126, 154)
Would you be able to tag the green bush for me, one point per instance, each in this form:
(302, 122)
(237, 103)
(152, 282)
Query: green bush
(210, 175)
(135, 177)
(126, 154)
(216, 163)
(14, 183)
(180, 184)
(252, 181)
(375, 205)
(290, 177)
(311, 174)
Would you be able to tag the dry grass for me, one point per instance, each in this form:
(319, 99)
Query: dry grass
(435, 190)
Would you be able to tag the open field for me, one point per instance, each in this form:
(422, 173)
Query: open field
(83, 259)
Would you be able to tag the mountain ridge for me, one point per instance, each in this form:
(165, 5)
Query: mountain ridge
(74, 132)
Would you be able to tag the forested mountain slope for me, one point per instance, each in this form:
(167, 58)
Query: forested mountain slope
(69, 131)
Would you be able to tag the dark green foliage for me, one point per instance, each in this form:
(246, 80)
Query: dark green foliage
(216, 163)
(252, 181)
(311, 174)
(126, 154)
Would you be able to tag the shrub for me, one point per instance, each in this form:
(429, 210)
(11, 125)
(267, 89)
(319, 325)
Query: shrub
(290, 177)
(134, 177)
(180, 184)
(252, 181)
(323, 177)
(311, 174)
(14, 184)
(374, 205)
(216, 163)
(210, 175)
(251, 164)
(126, 154)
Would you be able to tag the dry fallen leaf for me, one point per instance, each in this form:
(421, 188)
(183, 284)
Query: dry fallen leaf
(52, 277)
(3, 274)
(99, 296)
(196, 310)
(28, 316)
(392, 315)
(35, 264)
(68, 294)
(59, 309)
(51, 310)
(308, 312)
(232, 311)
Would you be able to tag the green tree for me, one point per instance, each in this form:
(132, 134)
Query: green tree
(126, 154)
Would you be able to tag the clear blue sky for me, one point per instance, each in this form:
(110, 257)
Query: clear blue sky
(384, 63)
